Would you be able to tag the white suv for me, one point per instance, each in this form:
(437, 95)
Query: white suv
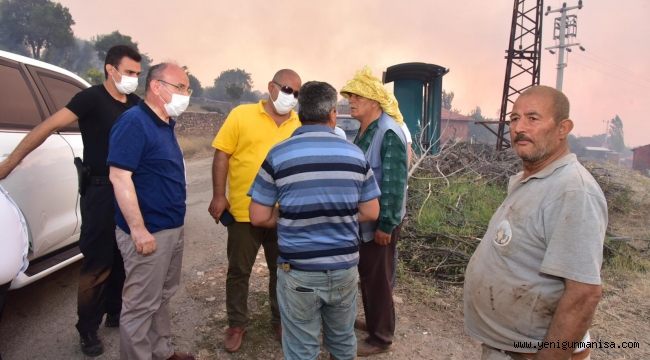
(44, 186)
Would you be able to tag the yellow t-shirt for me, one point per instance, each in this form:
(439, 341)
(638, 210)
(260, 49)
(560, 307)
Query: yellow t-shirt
(247, 135)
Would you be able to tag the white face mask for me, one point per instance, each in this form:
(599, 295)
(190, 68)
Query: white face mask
(127, 85)
(284, 103)
(177, 105)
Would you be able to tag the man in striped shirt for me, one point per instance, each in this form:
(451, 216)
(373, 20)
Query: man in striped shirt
(324, 186)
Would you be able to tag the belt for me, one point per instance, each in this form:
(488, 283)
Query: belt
(286, 267)
(99, 180)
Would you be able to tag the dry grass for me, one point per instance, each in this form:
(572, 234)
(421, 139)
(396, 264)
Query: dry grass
(623, 315)
(194, 146)
(628, 197)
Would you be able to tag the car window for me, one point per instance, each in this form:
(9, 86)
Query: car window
(60, 92)
(17, 104)
(349, 125)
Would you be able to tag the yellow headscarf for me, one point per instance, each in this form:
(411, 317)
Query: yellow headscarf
(365, 84)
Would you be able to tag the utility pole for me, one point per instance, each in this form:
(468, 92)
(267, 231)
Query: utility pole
(523, 62)
(566, 26)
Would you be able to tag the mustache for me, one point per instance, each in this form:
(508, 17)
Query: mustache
(520, 137)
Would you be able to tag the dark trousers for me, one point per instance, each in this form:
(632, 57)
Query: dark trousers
(376, 267)
(244, 241)
(4, 288)
(102, 270)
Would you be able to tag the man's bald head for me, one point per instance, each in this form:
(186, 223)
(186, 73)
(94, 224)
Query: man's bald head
(284, 74)
(559, 101)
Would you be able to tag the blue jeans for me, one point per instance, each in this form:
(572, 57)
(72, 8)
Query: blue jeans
(309, 298)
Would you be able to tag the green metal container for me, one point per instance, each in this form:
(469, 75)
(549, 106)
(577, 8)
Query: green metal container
(418, 89)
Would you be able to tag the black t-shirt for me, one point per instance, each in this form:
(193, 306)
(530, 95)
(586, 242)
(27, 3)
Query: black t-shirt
(97, 111)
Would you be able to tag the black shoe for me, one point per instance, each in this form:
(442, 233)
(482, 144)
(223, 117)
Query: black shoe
(112, 320)
(91, 345)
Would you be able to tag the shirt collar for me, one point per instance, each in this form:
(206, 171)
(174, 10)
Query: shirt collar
(292, 117)
(550, 168)
(369, 130)
(154, 117)
(313, 128)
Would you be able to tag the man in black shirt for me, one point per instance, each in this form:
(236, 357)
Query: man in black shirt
(96, 108)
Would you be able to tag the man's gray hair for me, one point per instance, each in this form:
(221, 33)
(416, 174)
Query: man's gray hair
(316, 100)
(155, 73)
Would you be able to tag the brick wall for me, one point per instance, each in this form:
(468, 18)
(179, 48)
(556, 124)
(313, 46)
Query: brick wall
(194, 123)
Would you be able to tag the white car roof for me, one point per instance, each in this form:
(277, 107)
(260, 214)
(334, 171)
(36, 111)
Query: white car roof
(41, 64)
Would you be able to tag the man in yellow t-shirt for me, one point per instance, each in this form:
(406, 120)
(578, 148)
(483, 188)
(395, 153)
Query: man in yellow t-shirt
(241, 145)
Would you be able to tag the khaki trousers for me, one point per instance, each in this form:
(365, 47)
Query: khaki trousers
(145, 325)
(244, 241)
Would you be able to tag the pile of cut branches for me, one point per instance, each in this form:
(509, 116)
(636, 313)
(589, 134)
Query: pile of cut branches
(463, 159)
(443, 256)
(453, 194)
(451, 197)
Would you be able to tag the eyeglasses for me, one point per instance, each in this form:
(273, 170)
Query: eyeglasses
(181, 88)
(287, 89)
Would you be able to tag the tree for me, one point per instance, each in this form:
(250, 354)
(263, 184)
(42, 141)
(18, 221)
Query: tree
(195, 85)
(237, 80)
(78, 57)
(37, 24)
(8, 42)
(235, 91)
(615, 138)
(107, 41)
(94, 76)
(447, 98)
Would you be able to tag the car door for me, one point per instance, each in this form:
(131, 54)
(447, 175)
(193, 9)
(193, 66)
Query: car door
(57, 90)
(44, 184)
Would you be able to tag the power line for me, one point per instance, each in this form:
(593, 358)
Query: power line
(589, 56)
(615, 76)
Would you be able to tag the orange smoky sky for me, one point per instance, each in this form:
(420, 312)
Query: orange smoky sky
(330, 40)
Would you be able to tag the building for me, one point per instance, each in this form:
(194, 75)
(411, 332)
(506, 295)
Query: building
(454, 126)
(641, 159)
(599, 153)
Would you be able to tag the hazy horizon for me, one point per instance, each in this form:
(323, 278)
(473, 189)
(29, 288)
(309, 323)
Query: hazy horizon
(330, 41)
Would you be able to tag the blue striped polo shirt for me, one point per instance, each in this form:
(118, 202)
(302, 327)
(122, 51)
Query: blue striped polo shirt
(318, 179)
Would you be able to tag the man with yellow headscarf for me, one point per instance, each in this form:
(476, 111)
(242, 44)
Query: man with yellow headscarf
(384, 145)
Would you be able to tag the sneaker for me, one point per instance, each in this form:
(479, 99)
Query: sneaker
(90, 344)
(234, 336)
(112, 320)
